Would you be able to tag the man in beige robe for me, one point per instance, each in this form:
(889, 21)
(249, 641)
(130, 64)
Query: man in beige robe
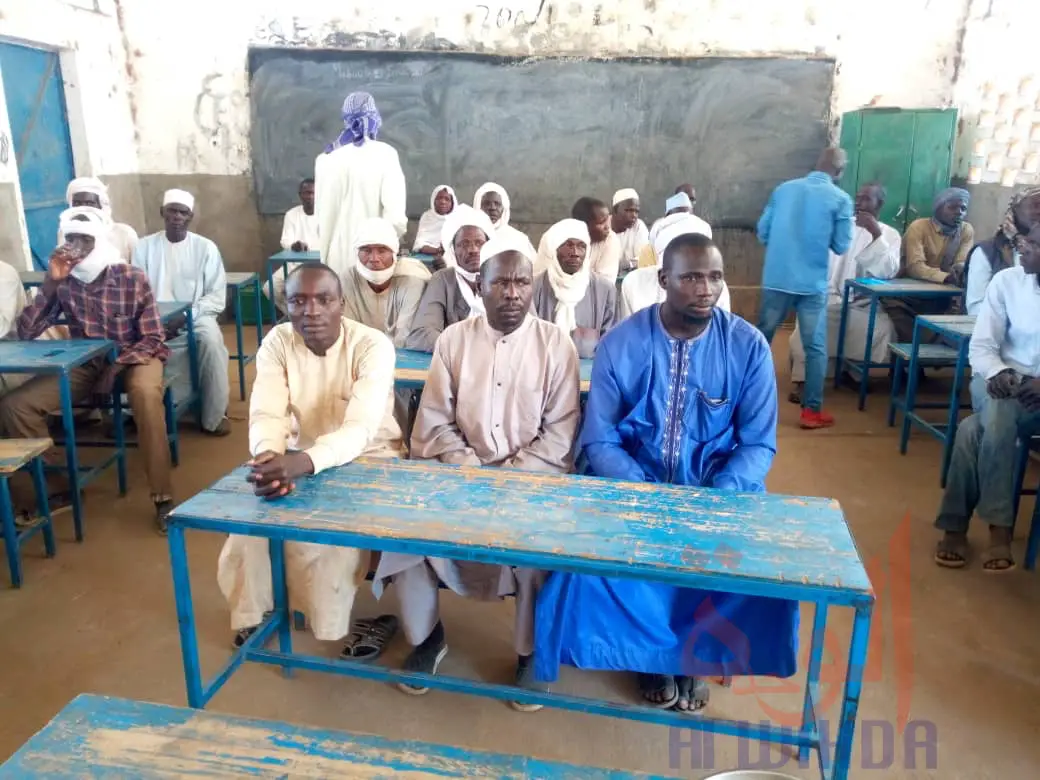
(322, 397)
(502, 391)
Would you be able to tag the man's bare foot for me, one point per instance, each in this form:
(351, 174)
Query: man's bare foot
(952, 550)
(998, 557)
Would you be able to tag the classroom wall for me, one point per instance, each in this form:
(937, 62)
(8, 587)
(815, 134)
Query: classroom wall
(164, 90)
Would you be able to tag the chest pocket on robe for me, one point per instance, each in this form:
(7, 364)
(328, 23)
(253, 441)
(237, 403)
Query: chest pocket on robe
(707, 417)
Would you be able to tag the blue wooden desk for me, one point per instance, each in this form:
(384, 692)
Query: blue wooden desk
(15, 455)
(236, 281)
(58, 358)
(99, 736)
(955, 328)
(754, 544)
(282, 260)
(412, 367)
(31, 279)
(875, 290)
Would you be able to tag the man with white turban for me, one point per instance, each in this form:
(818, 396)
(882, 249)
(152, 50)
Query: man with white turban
(493, 200)
(676, 207)
(91, 192)
(452, 294)
(431, 223)
(502, 391)
(185, 267)
(100, 297)
(642, 287)
(630, 229)
(582, 304)
(357, 177)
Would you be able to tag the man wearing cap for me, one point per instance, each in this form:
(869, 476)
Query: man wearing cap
(91, 192)
(99, 297)
(677, 208)
(502, 391)
(630, 229)
(186, 267)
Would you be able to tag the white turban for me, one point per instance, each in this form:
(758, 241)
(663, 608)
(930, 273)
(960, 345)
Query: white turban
(483, 190)
(97, 226)
(179, 197)
(462, 216)
(679, 200)
(680, 225)
(626, 194)
(510, 242)
(569, 289)
(376, 232)
(92, 185)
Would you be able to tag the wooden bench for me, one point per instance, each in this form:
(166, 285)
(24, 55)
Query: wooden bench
(15, 455)
(98, 736)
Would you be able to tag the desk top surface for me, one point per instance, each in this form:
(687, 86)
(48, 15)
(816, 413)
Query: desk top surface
(32, 277)
(741, 542)
(413, 363)
(289, 256)
(952, 324)
(235, 278)
(44, 356)
(168, 309)
(99, 736)
(904, 287)
(15, 453)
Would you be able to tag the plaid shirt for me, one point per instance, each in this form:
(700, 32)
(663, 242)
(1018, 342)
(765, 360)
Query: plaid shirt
(118, 306)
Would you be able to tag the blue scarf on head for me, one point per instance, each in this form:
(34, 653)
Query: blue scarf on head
(361, 120)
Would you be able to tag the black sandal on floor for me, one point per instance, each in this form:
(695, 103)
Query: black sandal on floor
(525, 679)
(658, 690)
(369, 637)
(693, 695)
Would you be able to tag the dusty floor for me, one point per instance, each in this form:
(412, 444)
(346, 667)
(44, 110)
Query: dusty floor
(953, 651)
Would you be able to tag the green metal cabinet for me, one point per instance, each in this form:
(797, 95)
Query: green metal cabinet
(908, 151)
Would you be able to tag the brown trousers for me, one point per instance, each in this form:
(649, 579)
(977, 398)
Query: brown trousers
(24, 411)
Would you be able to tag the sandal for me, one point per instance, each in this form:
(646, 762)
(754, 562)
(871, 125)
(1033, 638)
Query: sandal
(525, 679)
(693, 695)
(369, 637)
(658, 690)
(952, 551)
(998, 559)
(241, 636)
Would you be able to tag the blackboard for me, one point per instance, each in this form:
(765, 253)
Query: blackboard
(550, 129)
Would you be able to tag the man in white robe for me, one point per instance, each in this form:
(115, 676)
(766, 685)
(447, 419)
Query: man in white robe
(357, 177)
(321, 398)
(299, 234)
(185, 267)
(629, 228)
(12, 301)
(494, 201)
(874, 253)
(502, 391)
(91, 192)
(642, 287)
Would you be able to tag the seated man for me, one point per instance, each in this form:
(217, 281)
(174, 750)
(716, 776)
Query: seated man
(681, 393)
(479, 409)
(583, 304)
(321, 398)
(91, 192)
(1003, 250)
(299, 234)
(642, 287)
(678, 204)
(452, 295)
(186, 267)
(100, 297)
(1005, 355)
(629, 228)
(935, 249)
(873, 254)
(605, 249)
(431, 224)
(12, 302)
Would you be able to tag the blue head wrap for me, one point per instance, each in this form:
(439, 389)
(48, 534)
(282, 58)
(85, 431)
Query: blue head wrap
(361, 120)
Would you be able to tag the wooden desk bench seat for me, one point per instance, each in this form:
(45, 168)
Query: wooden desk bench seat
(16, 454)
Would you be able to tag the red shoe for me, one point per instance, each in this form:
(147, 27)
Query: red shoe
(811, 420)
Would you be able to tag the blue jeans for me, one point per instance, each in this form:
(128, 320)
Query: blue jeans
(982, 468)
(812, 323)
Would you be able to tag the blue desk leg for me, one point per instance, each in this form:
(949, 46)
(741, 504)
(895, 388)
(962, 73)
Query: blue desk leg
(185, 616)
(955, 411)
(281, 599)
(71, 456)
(14, 553)
(120, 436)
(813, 675)
(839, 357)
(43, 506)
(240, 355)
(259, 313)
(193, 368)
(864, 379)
(270, 289)
(911, 389)
(853, 689)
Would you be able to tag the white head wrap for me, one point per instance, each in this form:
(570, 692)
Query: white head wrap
(180, 197)
(92, 185)
(679, 200)
(97, 226)
(681, 225)
(431, 223)
(569, 289)
(508, 242)
(375, 231)
(626, 194)
(462, 216)
(483, 190)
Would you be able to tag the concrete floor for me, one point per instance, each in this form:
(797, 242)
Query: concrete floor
(953, 649)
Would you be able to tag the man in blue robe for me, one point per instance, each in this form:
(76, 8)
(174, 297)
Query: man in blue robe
(700, 409)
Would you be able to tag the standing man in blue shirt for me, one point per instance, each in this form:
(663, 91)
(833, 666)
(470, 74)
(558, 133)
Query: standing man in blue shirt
(804, 221)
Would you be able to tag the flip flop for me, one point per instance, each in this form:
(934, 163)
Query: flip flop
(658, 684)
(694, 692)
(998, 553)
(955, 550)
(369, 637)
